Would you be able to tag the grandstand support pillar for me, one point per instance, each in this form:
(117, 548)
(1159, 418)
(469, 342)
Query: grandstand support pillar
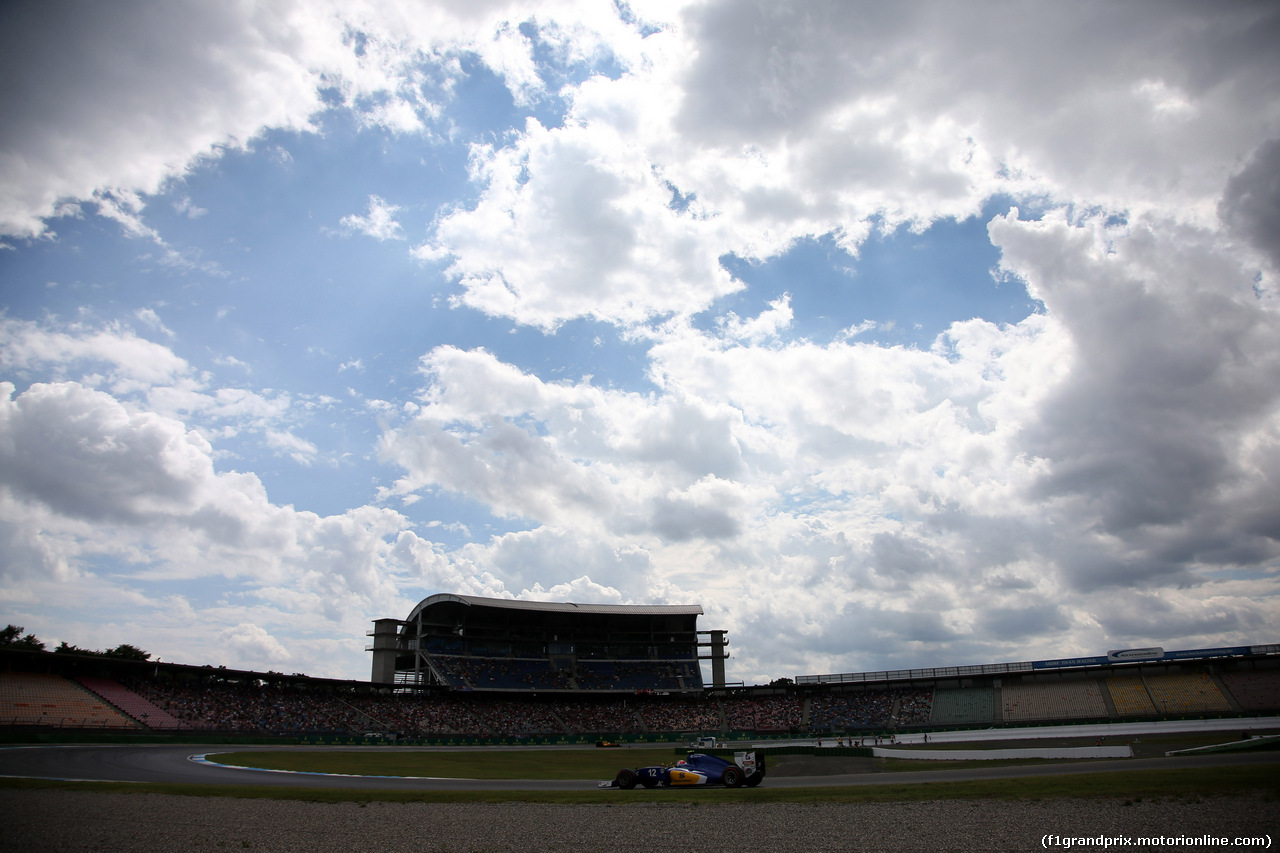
(384, 635)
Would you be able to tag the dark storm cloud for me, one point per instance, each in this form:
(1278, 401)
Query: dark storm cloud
(1157, 437)
(1028, 619)
(1251, 204)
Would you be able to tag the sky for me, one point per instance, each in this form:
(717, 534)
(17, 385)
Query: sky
(894, 335)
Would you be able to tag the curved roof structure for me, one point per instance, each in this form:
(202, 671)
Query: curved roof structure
(557, 606)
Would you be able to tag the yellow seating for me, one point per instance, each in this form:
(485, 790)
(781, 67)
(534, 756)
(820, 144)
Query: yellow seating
(34, 699)
(1187, 693)
(1130, 696)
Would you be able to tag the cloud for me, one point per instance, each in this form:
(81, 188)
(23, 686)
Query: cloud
(1250, 205)
(1100, 472)
(152, 319)
(380, 223)
(94, 115)
(78, 452)
(92, 120)
(767, 325)
(298, 449)
(705, 510)
(189, 208)
(770, 126)
(122, 500)
(247, 644)
(581, 589)
(574, 223)
(923, 110)
(568, 454)
(781, 124)
(26, 346)
(112, 356)
(1119, 445)
(1160, 436)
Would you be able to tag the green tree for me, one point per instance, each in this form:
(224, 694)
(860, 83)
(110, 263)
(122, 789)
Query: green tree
(12, 638)
(128, 652)
(124, 651)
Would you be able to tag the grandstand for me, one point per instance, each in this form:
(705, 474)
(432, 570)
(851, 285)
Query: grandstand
(463, 642)
(474, 670)
(1253, 691)
(1065, 700)
(962, 706)
(1133, 684)
(1187, 693)
(1130, 696)
(132, 704)
(40, 699)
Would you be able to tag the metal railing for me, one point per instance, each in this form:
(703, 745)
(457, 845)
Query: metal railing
(1021, 666)
(914, 674)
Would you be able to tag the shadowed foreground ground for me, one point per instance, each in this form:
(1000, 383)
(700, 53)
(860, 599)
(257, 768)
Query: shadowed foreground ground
(58, 820)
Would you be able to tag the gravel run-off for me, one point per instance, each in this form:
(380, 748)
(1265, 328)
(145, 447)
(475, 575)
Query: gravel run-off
(54, 820)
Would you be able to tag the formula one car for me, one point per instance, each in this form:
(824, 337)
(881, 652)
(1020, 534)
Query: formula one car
(696, 768)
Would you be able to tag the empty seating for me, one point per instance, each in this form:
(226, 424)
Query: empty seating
(963, 705)
(1060, 701)
(150, 715)
(1130, 696)
(1255, 691)
(30, 699)
(1188, 693)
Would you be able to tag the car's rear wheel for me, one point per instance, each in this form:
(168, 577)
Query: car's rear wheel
(626, 779)
(733, 777)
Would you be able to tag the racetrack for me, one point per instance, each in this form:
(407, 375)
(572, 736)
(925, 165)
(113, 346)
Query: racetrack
(174, 764)
(69, 820)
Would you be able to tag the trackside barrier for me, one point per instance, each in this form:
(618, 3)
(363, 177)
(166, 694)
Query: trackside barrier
(1125, 751)
(821, 752)
(1259, 744)
(121, 736)
(512, 740)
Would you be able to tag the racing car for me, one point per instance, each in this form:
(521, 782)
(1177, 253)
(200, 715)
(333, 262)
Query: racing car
(696, 768)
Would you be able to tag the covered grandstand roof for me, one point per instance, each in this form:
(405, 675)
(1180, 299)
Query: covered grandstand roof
(559, 606)
(468, 642)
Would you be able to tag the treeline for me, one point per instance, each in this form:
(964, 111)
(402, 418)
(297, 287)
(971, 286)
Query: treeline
(12, 637)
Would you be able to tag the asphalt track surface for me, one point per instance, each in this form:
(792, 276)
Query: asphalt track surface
(177, 765)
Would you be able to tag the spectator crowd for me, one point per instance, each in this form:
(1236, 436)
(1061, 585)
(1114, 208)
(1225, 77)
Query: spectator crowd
(307, 708)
